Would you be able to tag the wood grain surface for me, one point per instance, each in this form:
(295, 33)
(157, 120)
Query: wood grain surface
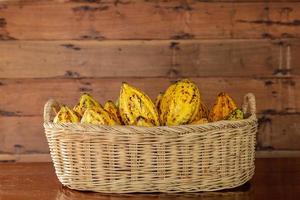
(167, 58)
(20, 135)
(274, 178)
(121, 20)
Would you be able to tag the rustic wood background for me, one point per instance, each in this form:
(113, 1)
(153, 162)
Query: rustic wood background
(59, 48)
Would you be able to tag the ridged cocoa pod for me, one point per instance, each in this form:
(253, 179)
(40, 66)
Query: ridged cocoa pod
(65, 114)
(97, 116)
(203, 112)
(111, 108)
(222, 108)
(85, 101)
(133, 104)
(141, 121)
(180, 103)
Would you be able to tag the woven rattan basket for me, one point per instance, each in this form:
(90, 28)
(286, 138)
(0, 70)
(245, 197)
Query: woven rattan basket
(123, 159)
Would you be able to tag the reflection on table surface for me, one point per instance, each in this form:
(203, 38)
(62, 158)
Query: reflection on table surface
(274, 178)
(242, 193)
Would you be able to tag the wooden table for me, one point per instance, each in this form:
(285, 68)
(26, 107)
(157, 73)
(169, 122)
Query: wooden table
(275, 178)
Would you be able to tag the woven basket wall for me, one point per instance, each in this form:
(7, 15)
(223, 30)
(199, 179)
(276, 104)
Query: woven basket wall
(123, 159)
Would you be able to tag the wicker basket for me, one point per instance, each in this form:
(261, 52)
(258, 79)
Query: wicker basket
(124, 159)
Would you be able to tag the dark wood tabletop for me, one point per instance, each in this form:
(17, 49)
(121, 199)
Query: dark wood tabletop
(275, 178)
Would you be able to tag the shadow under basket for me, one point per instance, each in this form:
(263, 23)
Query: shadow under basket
(125, 159)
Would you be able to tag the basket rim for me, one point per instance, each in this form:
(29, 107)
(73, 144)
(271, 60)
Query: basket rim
(157, 130)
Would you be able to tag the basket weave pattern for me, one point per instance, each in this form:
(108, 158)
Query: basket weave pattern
(123, 159)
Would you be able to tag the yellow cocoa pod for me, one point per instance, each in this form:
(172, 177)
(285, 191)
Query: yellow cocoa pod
(85, 101)
(133, 103)
(97, 116)
(157, 103)
(203, 112)
(200, 121)
(158, 99)
(180, 103)
(141, 121)
(65, 114)
(111, 108)
(223, 106)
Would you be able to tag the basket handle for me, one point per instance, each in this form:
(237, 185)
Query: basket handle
(249, 105)
(50, 106)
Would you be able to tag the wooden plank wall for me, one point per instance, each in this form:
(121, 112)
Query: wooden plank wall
(60, 48)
